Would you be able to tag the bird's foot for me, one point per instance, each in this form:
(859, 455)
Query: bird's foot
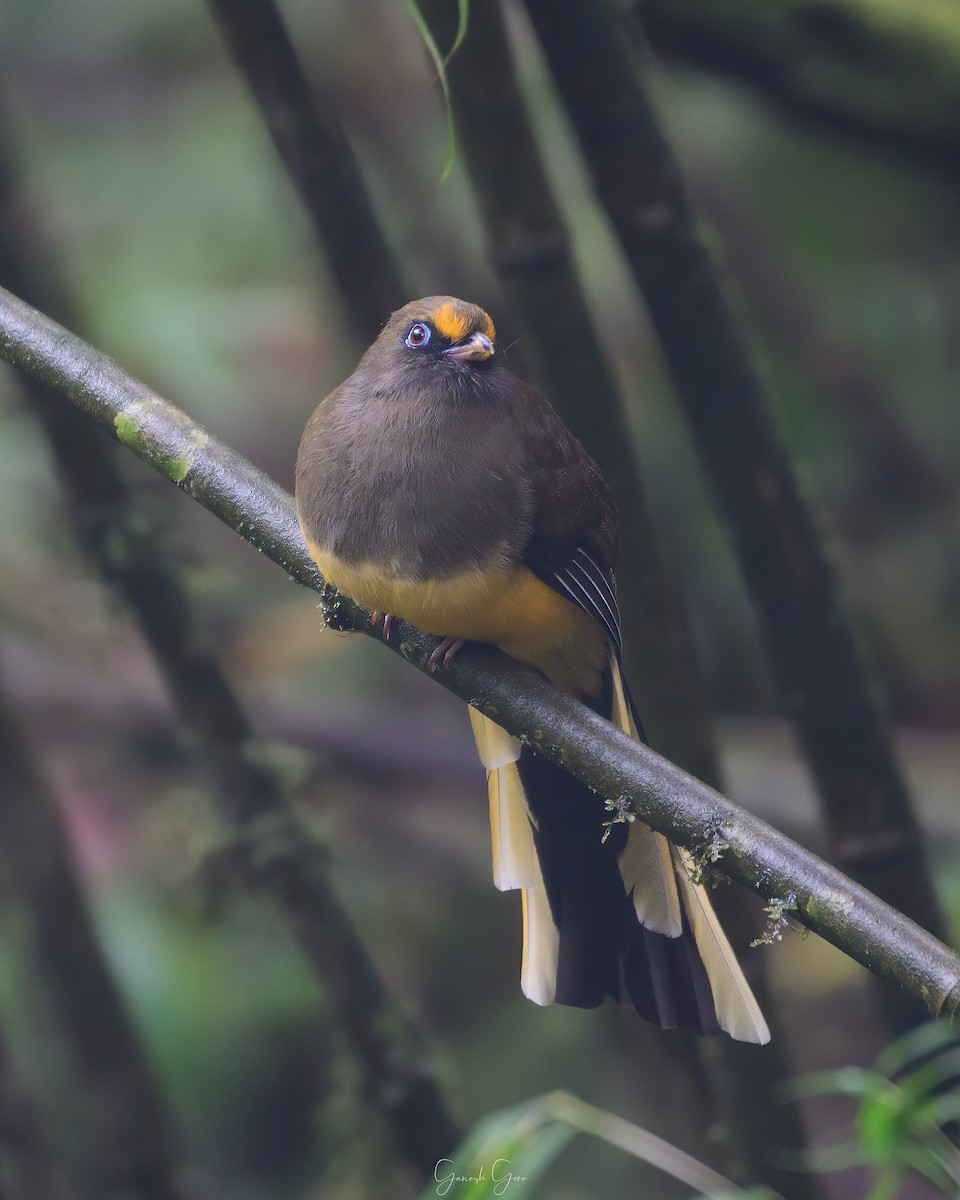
(388, 620)
(444, 654)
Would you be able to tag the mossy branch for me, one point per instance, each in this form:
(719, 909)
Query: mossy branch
(687, 811)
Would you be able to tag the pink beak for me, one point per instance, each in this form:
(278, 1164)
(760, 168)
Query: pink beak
(476, 348)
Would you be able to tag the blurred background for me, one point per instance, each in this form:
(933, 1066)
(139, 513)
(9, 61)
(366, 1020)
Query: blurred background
(144, 189)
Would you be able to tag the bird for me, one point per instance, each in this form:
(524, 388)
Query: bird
(435, 486)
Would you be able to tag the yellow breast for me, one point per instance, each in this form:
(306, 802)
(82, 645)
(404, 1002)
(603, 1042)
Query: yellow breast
(506, 605)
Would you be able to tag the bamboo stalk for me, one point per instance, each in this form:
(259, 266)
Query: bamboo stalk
(833, 65)
(132, 1140)
(314, 149)
(907, 478)
(31, 1164)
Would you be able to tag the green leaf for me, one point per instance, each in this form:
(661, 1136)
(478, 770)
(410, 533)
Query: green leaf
(904, 1102)
(636, 1141)
(886, 1186)
(514, 1148)
(918, 1044)
(882, 1122)
(440, 62)
(463, 21)
(840, 1157)
(843, 1081)
(931, 1076)
(943, 1109)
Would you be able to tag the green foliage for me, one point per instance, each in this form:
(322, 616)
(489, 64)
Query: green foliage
(908, 1105)
(440, 62)
(510, 1151)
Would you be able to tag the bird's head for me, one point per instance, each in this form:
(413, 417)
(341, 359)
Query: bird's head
(437, 332)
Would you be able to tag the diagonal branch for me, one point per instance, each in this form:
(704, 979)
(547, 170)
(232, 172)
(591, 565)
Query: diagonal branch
(559, 727)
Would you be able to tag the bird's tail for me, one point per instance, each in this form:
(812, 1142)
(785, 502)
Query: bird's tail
(608, 910)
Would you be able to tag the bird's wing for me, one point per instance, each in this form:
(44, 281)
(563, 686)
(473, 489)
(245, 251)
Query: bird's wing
(573, 550)
(584, 582)
(573, 544)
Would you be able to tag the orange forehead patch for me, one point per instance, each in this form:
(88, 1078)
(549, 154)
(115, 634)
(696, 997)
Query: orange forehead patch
(455, 321)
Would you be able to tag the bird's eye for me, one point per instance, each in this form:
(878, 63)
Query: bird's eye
(418, 336)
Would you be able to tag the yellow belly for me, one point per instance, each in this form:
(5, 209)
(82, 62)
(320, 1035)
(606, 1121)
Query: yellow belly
(507, 606)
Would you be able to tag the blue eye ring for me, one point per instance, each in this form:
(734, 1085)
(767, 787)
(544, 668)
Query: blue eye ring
(418, 336)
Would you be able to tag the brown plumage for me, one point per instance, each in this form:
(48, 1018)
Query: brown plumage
(435, 486)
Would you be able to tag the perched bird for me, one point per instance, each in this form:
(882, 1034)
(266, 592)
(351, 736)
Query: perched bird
(435, 486)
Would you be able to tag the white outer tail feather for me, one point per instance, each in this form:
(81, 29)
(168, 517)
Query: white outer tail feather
(737, 1011)
(514, 857)
(541, 943)
(645, 862)
(650, 867)
(515, 862)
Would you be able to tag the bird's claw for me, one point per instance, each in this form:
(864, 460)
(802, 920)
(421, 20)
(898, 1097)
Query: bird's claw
(444, 654)
(388, 620)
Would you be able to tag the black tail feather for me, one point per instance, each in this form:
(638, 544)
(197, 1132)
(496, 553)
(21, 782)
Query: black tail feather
(604, 950)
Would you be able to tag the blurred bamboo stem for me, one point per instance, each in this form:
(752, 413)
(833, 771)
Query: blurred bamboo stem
(832, 63)
(689, 812)
(905, 475)
(310, 140)
(31, 1167)
(817, 661)
(132, 1142)
(270, 850)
